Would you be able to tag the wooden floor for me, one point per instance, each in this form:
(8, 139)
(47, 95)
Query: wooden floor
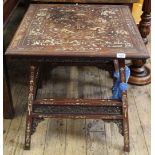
(76, 137)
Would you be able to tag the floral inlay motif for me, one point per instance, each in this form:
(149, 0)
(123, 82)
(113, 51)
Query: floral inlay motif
(63, 29)
(74, 30)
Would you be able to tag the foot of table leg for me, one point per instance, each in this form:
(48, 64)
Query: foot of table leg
(28, 133)
(126, 136)
(126, 127)
(27, 148)
(140, 74)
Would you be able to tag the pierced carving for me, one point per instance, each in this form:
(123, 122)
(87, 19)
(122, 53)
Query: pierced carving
(145, 23)
(35, 122)
(120, 126)
(80, 110)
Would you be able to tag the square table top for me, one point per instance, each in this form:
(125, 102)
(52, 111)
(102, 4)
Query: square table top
(107, 31)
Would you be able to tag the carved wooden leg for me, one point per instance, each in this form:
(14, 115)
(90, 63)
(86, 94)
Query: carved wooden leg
(40, 72)
(124, 108)
(140, 74)
(31, 96)
(145, 23)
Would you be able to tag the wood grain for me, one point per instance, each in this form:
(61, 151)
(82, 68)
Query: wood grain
(70, 31)
(75, 133)
(56, 128)
(95, 128)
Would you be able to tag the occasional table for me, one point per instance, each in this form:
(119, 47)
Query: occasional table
(69, 34)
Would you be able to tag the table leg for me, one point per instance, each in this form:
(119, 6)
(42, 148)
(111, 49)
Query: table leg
(31, 97)
(125, 107)
(140, 74)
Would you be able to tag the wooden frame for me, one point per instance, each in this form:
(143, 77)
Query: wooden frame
(34, 117)
(9, 6)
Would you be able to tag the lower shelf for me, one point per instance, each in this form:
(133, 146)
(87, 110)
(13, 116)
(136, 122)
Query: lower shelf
(77, 110)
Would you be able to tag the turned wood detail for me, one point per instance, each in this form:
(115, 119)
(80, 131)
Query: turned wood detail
(140, 74)
(145, 23)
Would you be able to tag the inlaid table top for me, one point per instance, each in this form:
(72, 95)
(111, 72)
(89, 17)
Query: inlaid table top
(78, 30)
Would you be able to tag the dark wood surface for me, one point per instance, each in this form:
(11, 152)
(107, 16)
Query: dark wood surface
(78, 30)
(8, 109)
(10, 26)
(140, 74)
(88, 1)
(8, 7)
